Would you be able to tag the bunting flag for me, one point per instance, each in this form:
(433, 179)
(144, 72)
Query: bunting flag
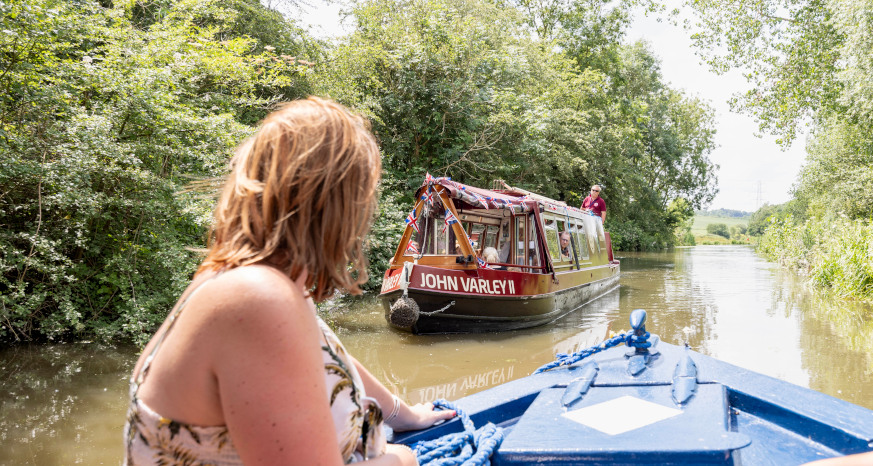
(411, 247)
(481, 199)
(410, 220)
(482, 263)
(428, 196)
(427, 178)
(450, 217)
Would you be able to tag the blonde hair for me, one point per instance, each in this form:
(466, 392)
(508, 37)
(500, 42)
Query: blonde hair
(490, 255)
(301, 195)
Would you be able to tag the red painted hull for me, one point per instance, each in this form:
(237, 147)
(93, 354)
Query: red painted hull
(484, 300)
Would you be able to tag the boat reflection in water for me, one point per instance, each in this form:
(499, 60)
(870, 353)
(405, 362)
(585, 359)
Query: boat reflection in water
(461, 378)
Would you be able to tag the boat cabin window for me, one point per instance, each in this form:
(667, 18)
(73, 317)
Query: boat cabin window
(560, 233)
(476, 233)
(520, 239)
(581, 239)
(533, 250)
(565, 258)
(505, 244)
(551, 230)
(490, 238)
(526, 250)
(484, 229)
(431, 237)
(436, 238)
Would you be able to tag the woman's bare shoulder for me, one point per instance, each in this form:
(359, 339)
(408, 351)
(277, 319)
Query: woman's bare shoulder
(256, 296)
(255, 282)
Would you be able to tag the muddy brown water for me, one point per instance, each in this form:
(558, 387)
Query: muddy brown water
(65, 404)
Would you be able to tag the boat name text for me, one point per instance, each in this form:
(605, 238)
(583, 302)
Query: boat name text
(469, 285)
(391, 282)
(470, 384)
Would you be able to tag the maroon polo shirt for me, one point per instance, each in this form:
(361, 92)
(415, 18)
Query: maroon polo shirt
(597, 206)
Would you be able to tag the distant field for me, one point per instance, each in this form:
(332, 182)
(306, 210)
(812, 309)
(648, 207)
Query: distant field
(701, 221)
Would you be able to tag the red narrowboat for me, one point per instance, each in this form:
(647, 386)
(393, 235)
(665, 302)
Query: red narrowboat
(480, 260)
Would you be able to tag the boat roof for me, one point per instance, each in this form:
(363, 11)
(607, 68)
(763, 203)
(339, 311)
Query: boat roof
(515, 199)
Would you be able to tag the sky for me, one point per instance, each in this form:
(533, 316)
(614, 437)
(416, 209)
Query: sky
(752, 170)
(747, 163)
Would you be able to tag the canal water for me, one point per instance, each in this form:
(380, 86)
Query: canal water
(65, 404)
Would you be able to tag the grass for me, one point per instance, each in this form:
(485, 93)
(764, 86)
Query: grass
(698, 229)
(835, 253)
(701, 222)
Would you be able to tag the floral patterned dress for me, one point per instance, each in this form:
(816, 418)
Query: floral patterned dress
(151, 439)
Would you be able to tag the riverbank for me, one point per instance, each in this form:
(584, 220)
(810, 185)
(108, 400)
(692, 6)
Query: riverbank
(836, 255)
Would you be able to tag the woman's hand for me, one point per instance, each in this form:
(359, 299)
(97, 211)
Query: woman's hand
(420, 416)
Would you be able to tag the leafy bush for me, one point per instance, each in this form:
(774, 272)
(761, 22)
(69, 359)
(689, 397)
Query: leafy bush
(837, 254)
(719, 229)
(106, 116)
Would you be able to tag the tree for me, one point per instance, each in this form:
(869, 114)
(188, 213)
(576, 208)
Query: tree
(788, 51)
(737, 231)
(107, 113)
(807, 62)
(719, 229)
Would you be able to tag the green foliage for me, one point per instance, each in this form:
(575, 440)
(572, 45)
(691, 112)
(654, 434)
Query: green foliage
(789, 52)
(688, 239)
(767, 214)
(385, 234)
(838, 175)
(108, 110)
(807, 61)
(106, 114)
(461, 88)
(737, 230)
(719, 229)
(836, 253)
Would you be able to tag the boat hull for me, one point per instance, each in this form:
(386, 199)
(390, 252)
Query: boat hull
(502, 301)
(729, 416)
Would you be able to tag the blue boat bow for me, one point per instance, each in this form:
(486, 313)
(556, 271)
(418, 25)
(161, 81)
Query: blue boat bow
(661, 405)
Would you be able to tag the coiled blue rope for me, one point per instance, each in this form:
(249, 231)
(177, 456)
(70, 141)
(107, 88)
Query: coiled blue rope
(628, 338)
(471, 447)
(474, 447)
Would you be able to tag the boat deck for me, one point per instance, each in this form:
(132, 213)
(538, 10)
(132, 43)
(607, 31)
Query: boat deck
(596, 412)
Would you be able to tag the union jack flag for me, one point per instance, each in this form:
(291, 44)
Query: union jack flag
(481, 199)
(411, 247)
(428, 179)
(410, 220)
(450, 217)
(428, 196)
(482, 263)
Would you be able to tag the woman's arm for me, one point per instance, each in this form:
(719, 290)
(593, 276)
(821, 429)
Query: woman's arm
(419, 416)
(270, 374)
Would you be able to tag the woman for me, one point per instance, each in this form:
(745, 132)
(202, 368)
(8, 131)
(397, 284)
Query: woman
(243, 370)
